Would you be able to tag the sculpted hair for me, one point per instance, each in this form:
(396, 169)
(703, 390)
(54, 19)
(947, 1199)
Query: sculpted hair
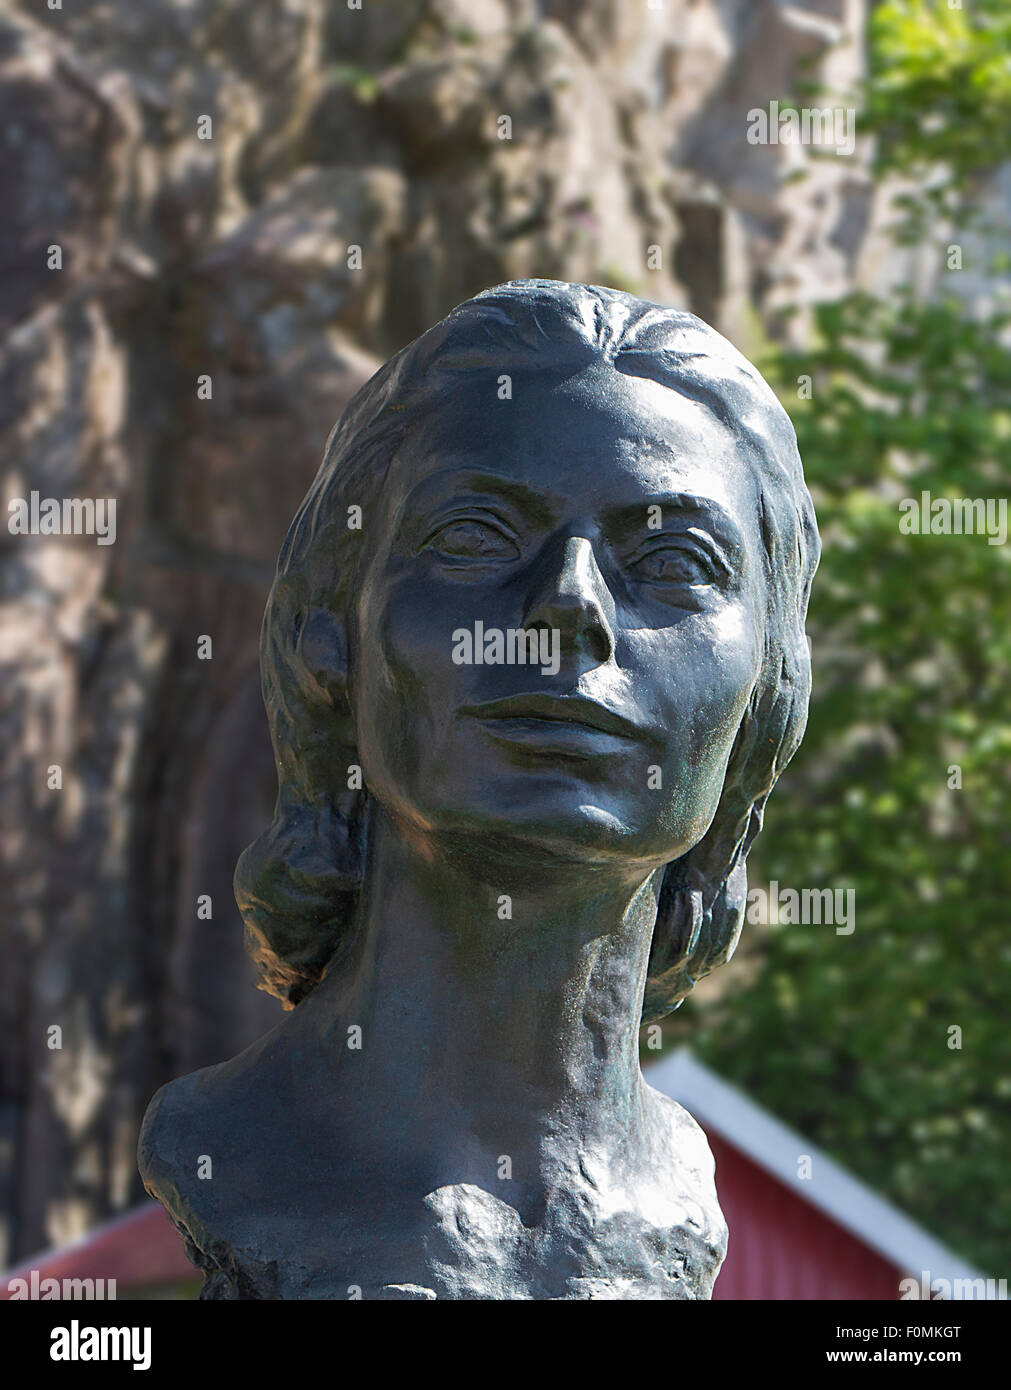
(298, 885)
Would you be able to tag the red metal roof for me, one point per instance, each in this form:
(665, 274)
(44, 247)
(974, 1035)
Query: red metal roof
(782, 1247)
(140, 1248)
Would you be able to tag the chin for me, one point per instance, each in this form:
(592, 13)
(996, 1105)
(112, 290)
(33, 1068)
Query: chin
(550, 827)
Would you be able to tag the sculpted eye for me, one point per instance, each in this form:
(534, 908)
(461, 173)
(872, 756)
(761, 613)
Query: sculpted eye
(472, 540)
(671, 565)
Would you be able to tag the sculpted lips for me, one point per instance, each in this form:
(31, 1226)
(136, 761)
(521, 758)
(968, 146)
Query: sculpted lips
(561, 723)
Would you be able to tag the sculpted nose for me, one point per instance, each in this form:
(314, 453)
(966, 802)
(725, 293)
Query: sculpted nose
(573, 598)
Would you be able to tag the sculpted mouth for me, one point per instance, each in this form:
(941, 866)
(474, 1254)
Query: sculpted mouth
(564, 710)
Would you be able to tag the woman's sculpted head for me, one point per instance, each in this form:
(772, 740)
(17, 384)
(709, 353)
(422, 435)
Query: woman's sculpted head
(544, 601)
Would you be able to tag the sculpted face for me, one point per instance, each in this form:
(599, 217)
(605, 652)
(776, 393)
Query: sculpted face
(619, 516)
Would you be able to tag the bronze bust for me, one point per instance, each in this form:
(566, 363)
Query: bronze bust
(533, 659)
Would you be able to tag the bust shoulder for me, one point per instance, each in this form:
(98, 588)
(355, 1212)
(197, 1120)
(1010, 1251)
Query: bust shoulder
(176, 1112)
(192, 1147)
(685, 1135)
(168, 1169)
(687, 1158)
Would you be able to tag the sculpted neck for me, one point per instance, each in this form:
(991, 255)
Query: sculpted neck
(499, 1003)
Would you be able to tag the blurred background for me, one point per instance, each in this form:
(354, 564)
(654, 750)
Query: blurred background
(253, 204)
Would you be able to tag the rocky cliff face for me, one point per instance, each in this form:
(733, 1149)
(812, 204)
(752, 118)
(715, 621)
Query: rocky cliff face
(455, 143)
